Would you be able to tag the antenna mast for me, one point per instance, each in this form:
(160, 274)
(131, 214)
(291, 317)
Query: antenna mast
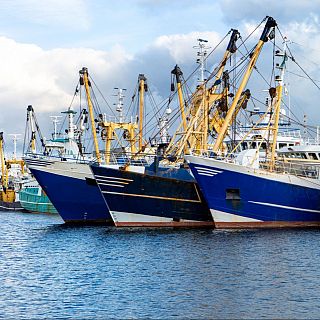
(201, 60)
(14, 139)
(119, 105)
(55, 121)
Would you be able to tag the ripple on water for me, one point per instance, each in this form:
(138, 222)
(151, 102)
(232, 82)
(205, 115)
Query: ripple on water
(49, 270)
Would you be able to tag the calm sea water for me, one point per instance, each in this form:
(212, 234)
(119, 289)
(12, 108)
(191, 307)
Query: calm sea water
(49, 270)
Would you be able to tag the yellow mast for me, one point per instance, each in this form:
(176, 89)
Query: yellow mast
(142, 80)
(277, 106)
(6, 195)
(271, 23)
(178, 73)
(84, 74)
(4, 181)
(202, 101)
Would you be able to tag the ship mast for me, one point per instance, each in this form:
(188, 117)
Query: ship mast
(4, 180)
(202, 143)
(71, 126)
(142, 88)
(14, 139)
(267, 32)
(30, 118)
(201, 53)
(84, 76)
(178, 74)
(119, 104)
(6, 194)
(201, 97)
(277, 104)
(129, 129)
(55, 121)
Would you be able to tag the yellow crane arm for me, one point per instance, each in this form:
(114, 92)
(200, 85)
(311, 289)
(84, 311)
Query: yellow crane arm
(270, 24)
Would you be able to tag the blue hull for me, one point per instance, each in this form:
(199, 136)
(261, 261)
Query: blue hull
(237, 198)
(76, 200)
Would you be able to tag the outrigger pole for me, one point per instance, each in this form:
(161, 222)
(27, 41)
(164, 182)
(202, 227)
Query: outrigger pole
(270, 24)
(84, 76)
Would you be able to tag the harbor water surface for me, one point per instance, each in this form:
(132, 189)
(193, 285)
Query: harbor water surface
(50, 270)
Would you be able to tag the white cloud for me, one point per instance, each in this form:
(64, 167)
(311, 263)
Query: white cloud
(47, 79)
(180, 45)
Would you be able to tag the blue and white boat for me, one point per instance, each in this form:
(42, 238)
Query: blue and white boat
(66, 178)
(71, 188)
(242, 197)
(63, 172)
(246, 191)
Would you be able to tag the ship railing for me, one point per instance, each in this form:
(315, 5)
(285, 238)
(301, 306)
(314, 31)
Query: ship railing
(298, 169)
(118, 119)
(284, 167)
(86, 158)
(311, 141)
(115, 158)
(128, 158)
(294, 133)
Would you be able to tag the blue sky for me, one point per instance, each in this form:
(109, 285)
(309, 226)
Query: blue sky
(101, 24)
(43, 44)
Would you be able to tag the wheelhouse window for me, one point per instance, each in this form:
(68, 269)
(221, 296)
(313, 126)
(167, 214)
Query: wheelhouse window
(312, 156)
(282, 145)
(244, 146)
(263, 146)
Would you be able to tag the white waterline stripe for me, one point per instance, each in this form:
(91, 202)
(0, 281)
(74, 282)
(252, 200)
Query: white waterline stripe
(284, 207)
(32, 202)
(14, 208)
(38, 161)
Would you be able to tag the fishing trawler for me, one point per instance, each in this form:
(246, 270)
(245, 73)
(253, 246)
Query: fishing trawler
(165, 194)
(243, 192)
(70, 175)
(62, 170)
(33, 199)
(8, 196)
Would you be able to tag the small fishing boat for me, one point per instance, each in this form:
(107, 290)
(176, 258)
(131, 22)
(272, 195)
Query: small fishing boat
(33, 199)
(8, 197)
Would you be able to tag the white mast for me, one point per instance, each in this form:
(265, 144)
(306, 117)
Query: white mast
(202, 54)
(119, 105)
(163, 127)
(14, 139)
(71, 125)
(55, 120)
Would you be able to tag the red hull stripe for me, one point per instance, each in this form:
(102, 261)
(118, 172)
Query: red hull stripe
(175, 224)
(267, 224)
